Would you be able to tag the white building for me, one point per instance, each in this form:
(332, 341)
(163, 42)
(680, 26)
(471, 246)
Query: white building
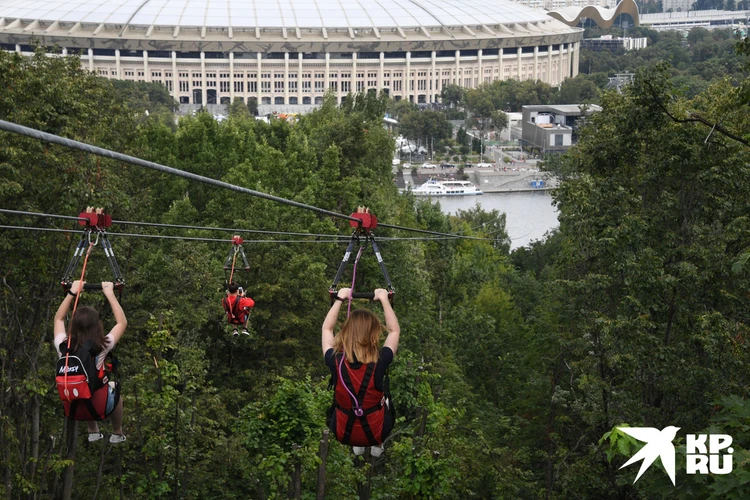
(287, 53)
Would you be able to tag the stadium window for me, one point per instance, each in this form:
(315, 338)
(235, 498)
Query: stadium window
(167, 74)
(130, 53)
(239, 75)
(346, 86)
(394, 55)
(223, 75)
(265, 86)
(197, 83)
(320, 75)
(141, 73)
(239, 86)
(128, 73)
(278, 86)
(527, 50)
(104, 52)
(223, 86)
(216, 55)
(293, 85)
(334, 85)
(265, 100)
(252, 76)
(184, 99)
(368, 55)
(185, 55)
(292, 76)
(445, 53)
(490, 52)
(211, 83)
(306, 100)
(305, 75)
(421, 54)
(169, 85)
(159, 54)
(265, 75)
(372, 83)
(360, 75)
(397, 85)
(184, 86)
(293, 100)
(510, 50)
(319, 86)
(469, 53)
(278, 100)
(344, 75)
(183, 75)
(278, 76)
(156, 74)
(252, 87)
(273, 55)
(211, 75)
(306, 86)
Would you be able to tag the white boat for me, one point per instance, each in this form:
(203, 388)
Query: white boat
(446, 188)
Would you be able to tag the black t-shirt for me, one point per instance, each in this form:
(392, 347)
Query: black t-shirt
(384, 361)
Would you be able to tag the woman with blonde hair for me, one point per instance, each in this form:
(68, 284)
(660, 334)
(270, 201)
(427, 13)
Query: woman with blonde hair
(362, 412)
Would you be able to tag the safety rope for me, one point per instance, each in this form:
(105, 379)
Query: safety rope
(234, 258)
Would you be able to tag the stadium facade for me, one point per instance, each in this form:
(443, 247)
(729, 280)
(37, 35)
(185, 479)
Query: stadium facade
(289, 52)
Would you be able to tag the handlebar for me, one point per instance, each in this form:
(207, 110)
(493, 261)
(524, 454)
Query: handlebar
(92, 286)
(361, 295)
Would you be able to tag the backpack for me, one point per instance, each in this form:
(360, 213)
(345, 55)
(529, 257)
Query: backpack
(81, 385)
(235, 314)
(360, 415)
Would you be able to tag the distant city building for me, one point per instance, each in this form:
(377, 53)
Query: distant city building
(604, 17)
(685, 21)
(287, 54)
(561, 4)
(676, 5)
(608, 42)
(552, 129)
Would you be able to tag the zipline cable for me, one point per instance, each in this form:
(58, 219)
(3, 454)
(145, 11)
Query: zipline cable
(53, 216)
(207, 228)
(106, 153)
(217, 240)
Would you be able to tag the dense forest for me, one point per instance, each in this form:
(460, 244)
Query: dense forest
(514, 368)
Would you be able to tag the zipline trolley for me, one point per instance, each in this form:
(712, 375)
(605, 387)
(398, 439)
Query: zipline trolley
(95, 224)
(362, 235)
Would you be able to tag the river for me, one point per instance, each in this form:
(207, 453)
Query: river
(529, 215)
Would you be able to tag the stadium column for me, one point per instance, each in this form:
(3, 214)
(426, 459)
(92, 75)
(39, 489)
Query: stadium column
(407, 76)
(480, 78)
(117, 63)
(549, 64)
(536, 62)
(91, 60)
(146, 75)
(286, 78)
(204, 94)
(299, 78)
(518, 54)
(175, 78)
(562, 65)
(380, 75)
(326, 77)
(353, 88)
(457, 75)
(434, 90)
(576, 53)
(231, 77)
(257, 81)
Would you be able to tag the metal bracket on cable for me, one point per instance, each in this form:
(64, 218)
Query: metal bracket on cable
(95, 224)
(234, 252)
(363, 230)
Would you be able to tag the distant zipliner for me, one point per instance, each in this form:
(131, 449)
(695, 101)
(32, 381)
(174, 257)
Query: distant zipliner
(236, 305)
(85, 380)
(362, 414)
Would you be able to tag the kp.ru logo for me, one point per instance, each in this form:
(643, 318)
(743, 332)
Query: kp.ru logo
(706, 453)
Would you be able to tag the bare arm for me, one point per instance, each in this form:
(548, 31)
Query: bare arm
(391, 322)
(329, 323)
(122, 322)
(62, 311)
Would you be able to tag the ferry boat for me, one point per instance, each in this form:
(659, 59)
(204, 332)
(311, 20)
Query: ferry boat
(446, 188)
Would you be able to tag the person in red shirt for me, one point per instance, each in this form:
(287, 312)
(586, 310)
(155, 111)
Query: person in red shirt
(238, 313)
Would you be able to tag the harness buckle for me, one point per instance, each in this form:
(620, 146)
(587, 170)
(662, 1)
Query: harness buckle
(359, 411)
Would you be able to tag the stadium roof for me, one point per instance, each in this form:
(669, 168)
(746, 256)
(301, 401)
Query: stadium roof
(288, 14)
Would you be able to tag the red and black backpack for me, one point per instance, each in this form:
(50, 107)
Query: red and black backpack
(81, 385)
(235, 314)
(360, 415)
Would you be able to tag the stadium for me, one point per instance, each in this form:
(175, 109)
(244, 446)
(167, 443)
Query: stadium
(287, 53)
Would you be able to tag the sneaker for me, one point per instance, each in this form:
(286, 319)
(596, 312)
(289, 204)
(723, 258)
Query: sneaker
(245, 332)
(235, 333)
(95, 436)
(117, 438)
(359, 450)
(376, 451)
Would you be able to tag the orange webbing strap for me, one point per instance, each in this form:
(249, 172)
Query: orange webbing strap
(234, 259)
(75, 305)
